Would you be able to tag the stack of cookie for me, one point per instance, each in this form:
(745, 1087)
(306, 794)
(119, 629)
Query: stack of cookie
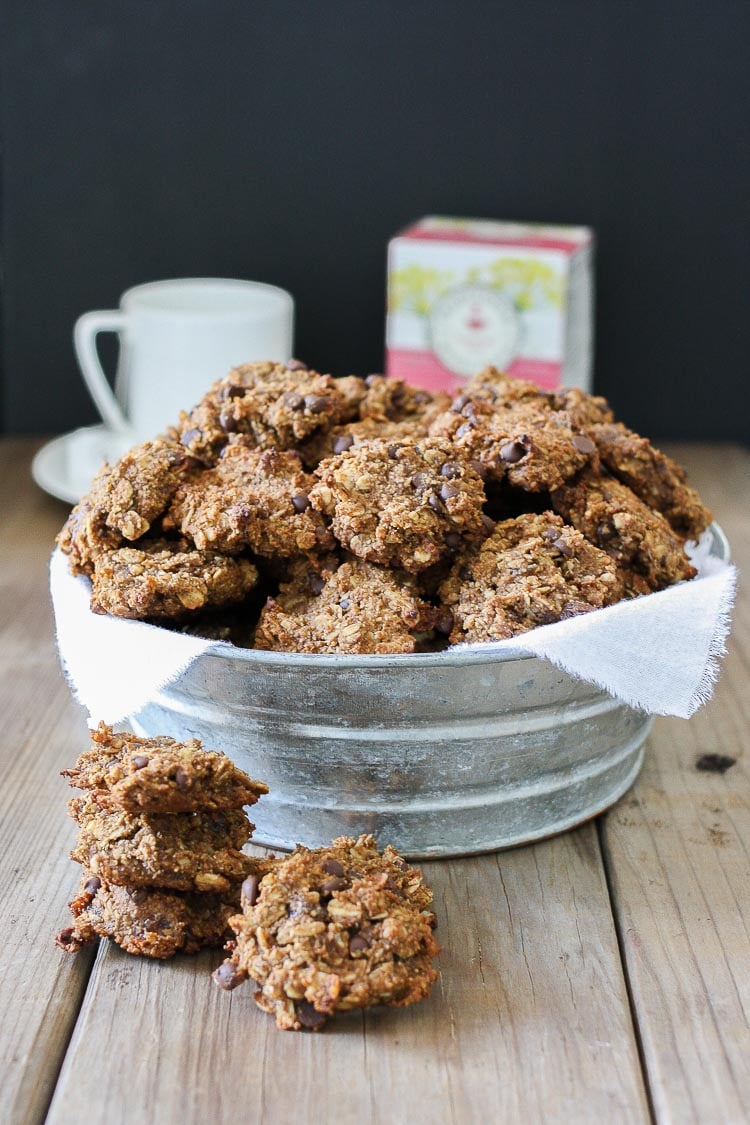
(161, 828)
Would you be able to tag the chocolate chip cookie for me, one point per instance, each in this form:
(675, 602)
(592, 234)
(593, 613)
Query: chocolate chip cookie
(192, 851)
(125, 771)
(147, 922)
(532, 571)
(533, 447)
(275, 406)
(648, 554)
(354, 607)
(331, 930)
(253, 499)
(404, 504)
(124, 501)
(655, 478)
(167, 579)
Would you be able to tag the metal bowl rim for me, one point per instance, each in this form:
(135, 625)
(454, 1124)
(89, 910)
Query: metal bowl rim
(451, 657)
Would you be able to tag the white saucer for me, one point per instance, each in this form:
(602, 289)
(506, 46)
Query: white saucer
(65, 466)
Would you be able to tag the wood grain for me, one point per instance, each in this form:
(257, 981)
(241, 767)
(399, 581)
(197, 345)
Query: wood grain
(40, 988)
(678, 856)
(530, 1021)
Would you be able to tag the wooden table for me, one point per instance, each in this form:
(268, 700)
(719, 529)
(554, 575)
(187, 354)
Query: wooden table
(601, 976)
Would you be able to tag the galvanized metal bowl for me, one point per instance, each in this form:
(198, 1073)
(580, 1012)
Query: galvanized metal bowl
(439, 754)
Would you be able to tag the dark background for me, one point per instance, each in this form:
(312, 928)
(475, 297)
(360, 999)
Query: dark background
(286, 142)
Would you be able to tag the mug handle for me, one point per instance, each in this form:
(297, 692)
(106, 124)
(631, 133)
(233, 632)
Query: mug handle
(85, 332)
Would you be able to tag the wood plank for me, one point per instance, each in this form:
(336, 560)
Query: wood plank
(530, 1021)
(40, 989)
(678, 856)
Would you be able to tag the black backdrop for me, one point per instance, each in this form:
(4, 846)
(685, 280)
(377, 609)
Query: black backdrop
(287, 141)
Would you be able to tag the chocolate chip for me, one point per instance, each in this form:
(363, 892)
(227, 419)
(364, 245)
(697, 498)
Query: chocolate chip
(444, 623)
(182, 780)
(450, 470)
(469, 410)
(316, 584)
(583, 444)
(138, 894)
(250, 889)
(466, 428)
(448, 491)
(301, 502)
(332, 867)
(139, 761)
(401, 863)
(714, 763)
(228, 976)
(345, 604)
(479, 468)
(293, 400)
(175, 458)
(391, 885)
(342, 443)
(466, 574)
(564, 548)
(316, 404)
(226, 421)
(435, 502)
(458, 404)
(419, 480)
(371, 380)
(65, 936)
(296, 365)
(489, 525)
(331, 885)
(513, 451)
(358, 943)
(392, 451)
(308, 1016)
(551, 533)
(190, 436)
(92, 885)
(453, 540)
(233, 392)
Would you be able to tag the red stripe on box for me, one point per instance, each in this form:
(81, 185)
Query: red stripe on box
(422, 369)
(521, 242)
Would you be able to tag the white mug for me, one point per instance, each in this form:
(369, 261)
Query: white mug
(176, 338)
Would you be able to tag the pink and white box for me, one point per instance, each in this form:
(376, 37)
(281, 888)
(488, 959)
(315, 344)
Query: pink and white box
(464, 293)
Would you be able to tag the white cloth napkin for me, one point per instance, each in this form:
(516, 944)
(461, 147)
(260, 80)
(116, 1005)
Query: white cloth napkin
(658, 653)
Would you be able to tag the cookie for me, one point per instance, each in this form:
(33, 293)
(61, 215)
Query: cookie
(531, 446)
(124, 501)
(393, 400)
(354, 608)
(253, 499)
(167, 579)
(655, 478)
(389, 409)
(124, 771)
(331, 930)
(532, 571)
(147, 922)
(645, 548)
(501, 390)
(192, 851)
(405, 504)
(273, 405)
